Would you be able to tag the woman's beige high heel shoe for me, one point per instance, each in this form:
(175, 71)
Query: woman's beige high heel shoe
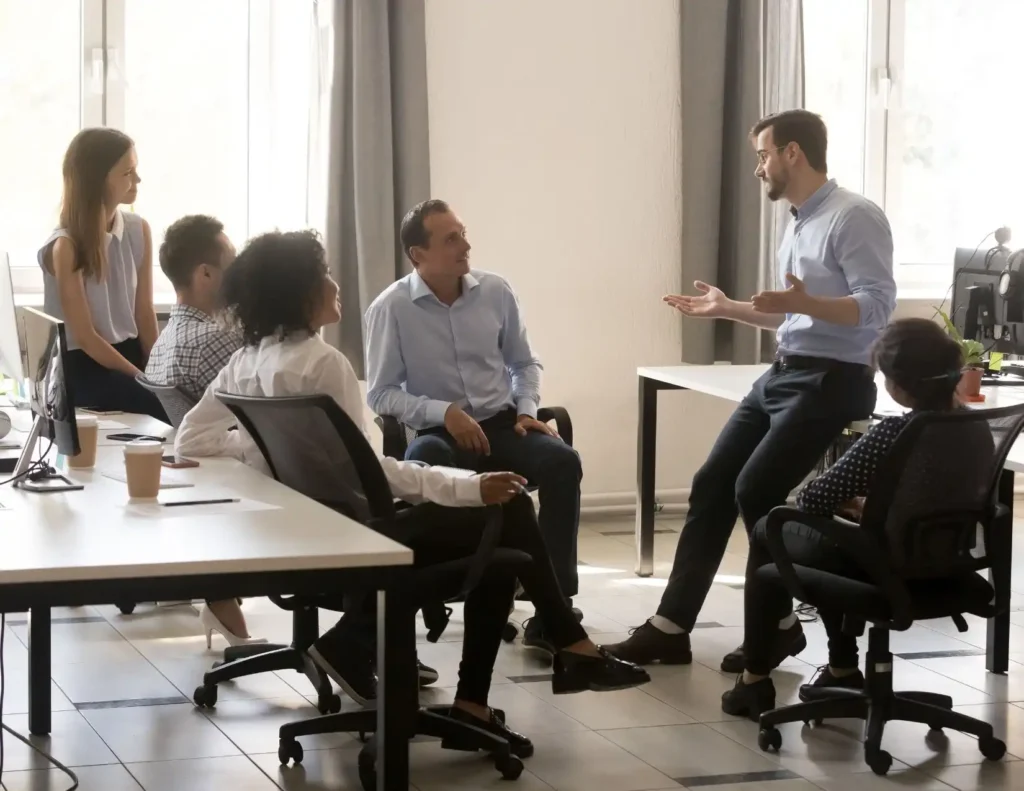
(211, 623)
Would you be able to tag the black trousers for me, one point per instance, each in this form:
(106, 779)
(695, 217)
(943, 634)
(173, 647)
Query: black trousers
(105, 389)
(544, 461)
(773, 440)
(766, 602)
(437, 534)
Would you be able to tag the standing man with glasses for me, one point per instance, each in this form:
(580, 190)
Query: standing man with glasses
(837, 294)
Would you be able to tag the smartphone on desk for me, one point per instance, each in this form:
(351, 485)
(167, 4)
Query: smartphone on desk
(178, 464)
(128, 437)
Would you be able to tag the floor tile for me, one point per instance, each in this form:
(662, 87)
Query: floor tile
(794, 784)
(689, 751)
(187, 674)
(113, 777)
(320, 770)
(253, 725)
(998, 776)
(970, 670)
(72, 742)
(91, 682)
(91, 643)
(630, 708)
(695, 690)
(237, 773)
(434, 769)
(910, 779)
(595, 763)
(159, 733)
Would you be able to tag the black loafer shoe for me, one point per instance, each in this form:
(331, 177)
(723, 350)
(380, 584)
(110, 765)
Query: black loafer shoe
(825, 680)
(749, 700)
(789, 642)
(604, 673)
(518, 744)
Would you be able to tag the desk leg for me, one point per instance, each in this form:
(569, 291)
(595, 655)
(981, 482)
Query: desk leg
(646, 447)
(997, 649)
(39, 671)
(397, 693)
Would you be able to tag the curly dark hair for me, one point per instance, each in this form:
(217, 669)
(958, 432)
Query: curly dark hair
(275, 285)
(919, 357)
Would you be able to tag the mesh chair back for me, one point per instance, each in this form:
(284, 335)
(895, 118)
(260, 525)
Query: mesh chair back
(176, 401)
(937, 485)
(312, 446)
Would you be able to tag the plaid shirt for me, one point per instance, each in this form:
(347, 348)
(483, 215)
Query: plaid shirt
(191, 351)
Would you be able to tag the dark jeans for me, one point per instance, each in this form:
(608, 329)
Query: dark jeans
(95, 387)
(544, 461)
(437, 534)
(766, 602)
(776, 436)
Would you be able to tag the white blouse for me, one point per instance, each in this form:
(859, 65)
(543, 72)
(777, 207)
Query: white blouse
(299, 366)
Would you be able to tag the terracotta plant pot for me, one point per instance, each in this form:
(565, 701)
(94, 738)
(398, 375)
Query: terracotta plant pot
(970, 383)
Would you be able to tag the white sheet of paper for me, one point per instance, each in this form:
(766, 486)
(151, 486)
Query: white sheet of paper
(168, 480)
(154, 510)
(111, 425)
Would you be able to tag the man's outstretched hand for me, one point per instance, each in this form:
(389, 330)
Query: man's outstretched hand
(710, 303)
(793, 300)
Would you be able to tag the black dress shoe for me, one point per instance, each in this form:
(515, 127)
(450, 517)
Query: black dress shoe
(749, 700)
(605, 673)
(825, 679)
(349, 664)
(427, 674)
(647, 644)
(535, 637)
(789, 642)
(519, 745)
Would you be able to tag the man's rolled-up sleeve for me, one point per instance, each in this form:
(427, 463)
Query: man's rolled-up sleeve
(864, 250)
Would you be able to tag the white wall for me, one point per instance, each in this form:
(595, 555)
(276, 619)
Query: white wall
(555, 133)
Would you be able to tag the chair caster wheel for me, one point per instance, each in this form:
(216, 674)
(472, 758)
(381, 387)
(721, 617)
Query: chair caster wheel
(510, 632)
(992, 748)
(880, 761)
(205, 696)
(368, 770)
(509, 765)
(126, 608)
(289, 750)
(328, 704)
(769, 739)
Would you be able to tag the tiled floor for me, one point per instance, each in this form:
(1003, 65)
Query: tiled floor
(123, 718)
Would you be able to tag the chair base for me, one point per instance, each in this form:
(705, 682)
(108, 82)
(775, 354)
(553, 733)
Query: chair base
(877, 705)
(429, 721)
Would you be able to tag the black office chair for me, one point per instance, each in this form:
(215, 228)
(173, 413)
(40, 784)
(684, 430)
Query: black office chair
(917, 546)
(175, 400)
(396, 442)
(312, 446)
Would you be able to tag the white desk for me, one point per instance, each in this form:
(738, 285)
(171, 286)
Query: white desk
(92, 547)
(733, 383)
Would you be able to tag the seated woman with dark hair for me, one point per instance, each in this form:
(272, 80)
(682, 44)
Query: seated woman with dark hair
(280, 293)
(922, 367)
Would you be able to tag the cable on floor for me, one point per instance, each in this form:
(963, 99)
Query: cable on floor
(6, 728)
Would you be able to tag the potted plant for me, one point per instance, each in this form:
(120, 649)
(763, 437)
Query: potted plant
(973, 352)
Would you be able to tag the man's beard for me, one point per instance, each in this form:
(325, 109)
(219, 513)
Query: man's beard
(774, 189)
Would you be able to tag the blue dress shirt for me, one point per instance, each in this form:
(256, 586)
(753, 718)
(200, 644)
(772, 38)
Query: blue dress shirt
(839, 244)
(422, 355)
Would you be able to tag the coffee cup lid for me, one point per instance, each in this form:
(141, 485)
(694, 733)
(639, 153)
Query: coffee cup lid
(143, 447)
(87, 421)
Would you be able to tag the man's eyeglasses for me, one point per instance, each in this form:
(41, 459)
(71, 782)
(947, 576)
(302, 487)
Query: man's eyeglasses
(762, 154)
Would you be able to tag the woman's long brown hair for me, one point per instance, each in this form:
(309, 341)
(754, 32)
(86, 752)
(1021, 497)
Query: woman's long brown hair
(87, 163)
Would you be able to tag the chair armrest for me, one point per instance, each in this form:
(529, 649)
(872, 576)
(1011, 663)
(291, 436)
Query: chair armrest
(860, 546)
(394, 436)
(563, 423)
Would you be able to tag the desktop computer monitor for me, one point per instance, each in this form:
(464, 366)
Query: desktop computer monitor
(982, 309)
(44, 348)
(10, 352)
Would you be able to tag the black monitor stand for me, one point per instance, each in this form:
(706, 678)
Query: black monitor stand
(45, 479)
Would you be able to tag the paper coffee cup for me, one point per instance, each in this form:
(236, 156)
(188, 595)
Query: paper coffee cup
(142, 460)
(88, 428)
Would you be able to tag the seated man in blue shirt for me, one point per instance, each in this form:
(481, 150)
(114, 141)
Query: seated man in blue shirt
(447, 355)
(836, 296)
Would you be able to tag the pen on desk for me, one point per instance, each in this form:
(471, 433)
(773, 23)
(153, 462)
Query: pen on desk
(203, 502)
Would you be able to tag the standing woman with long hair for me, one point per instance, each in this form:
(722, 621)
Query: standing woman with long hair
(98, 275)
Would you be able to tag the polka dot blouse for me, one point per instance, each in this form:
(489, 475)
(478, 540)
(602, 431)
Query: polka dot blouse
(854, 473)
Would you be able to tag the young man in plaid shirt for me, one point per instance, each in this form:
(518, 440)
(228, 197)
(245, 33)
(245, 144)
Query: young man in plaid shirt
(194, 346)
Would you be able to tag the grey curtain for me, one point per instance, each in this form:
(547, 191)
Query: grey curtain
(379, 157)
(740, 60)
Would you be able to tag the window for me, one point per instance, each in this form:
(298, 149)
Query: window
(221, 97)
(941, 112)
